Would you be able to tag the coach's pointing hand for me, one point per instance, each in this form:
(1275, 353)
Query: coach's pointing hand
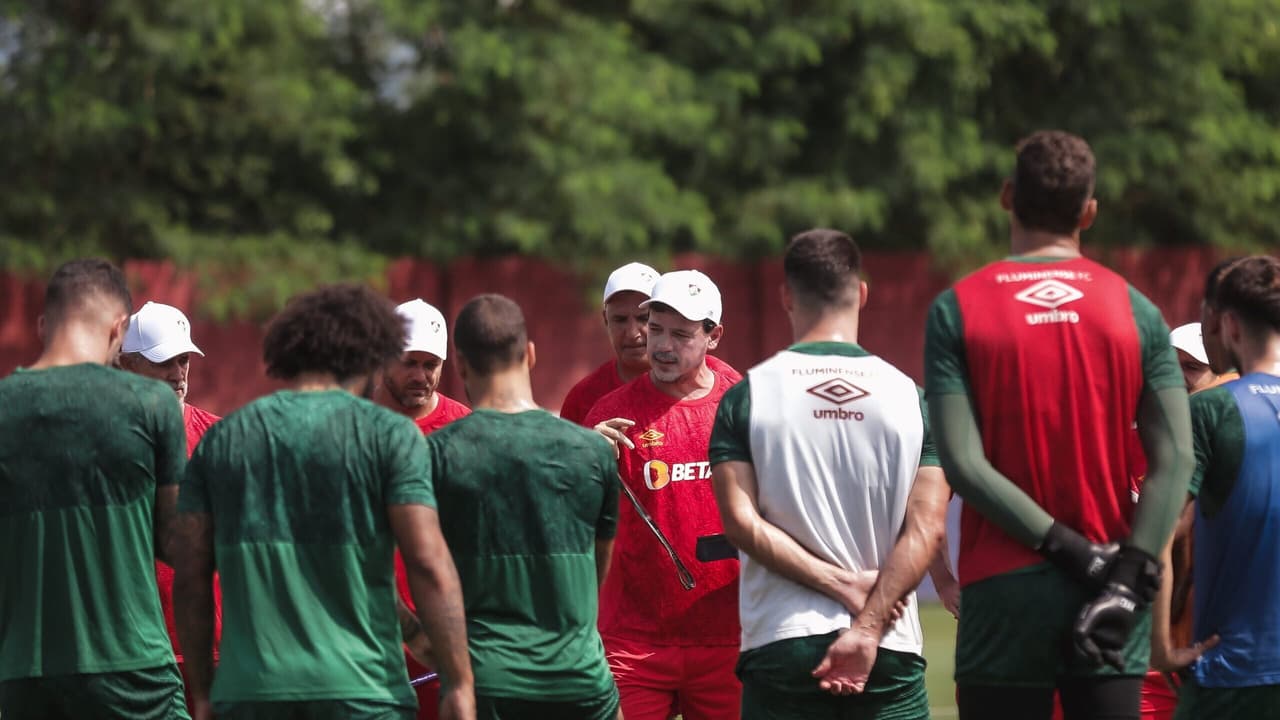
(614, 431)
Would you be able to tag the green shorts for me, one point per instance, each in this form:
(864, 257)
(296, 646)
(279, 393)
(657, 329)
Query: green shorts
(1015, 630)
(1246, 703)
(777, 684)
(603, 707)
(312, 710)
(150, 694)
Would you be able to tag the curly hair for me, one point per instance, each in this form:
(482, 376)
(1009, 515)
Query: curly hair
(823, 267)
(80, 283)
(346, 330)
(1052, 181)
(1250, 287)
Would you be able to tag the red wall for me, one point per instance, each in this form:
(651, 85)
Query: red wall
(563, 313)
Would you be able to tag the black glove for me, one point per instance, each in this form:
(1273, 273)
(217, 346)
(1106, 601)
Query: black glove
(1086, 561)
(1104, 624)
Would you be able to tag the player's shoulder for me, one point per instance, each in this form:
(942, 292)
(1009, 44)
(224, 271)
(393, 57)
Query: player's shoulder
(627, 397)
(453, 408)
(201, 417)
(720, 367)
(1212, 402)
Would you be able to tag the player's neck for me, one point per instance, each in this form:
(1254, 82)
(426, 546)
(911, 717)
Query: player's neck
(691, 386)
(1039, 243)
(841, 327)
(73, 345)
(507, 391)
(315, 381)
(1262, 356)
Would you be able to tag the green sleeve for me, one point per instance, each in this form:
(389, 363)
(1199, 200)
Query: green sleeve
(1159, 360)
(945, 369)
(408, 464)
(1217, 433)
(731, 434)
(169, 435)
(972, 476)
(607, 523)
(1164, 426)
(193, 495)
(928, 450)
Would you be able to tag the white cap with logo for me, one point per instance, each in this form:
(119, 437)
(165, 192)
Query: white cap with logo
(634, 277)
(689, 293)
(159, 332)
(1188, 339)
(425, 328)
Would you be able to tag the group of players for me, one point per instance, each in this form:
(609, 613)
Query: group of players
(683, 539)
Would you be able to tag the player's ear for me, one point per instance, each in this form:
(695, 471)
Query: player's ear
(1089, 214)
(116, 335)
(713, 337)
(862, 294)
(40, 329)
(784, 293)
(1006, 195)
(604, 315)
(530, 357)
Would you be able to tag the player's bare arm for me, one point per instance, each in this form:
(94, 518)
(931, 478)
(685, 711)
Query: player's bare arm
(735, 487)
(604, 555)
(193, 603)
(166, 513)
(848, 661)
(1165, 657)
(437, 593)
(944, 581)
(412, 634)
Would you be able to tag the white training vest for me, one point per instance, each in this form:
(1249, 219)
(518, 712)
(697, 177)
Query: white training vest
(836, 442)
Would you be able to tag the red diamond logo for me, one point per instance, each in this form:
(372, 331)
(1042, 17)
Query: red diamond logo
(838, 391)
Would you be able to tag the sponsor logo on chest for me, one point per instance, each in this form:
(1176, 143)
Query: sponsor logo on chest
(658, 474)
(837, 391)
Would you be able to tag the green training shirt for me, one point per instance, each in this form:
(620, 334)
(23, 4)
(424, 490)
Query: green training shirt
(298, 485)
(82, 451)
(1218, 433)
(523, 499)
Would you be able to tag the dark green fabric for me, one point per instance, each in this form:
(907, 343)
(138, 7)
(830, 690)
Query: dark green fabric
(1160, 369)
(83, 449)
(298, 485)
(777, 684)
(731, 433)
(313, 710)
(1165, 425)
(523, 499)
(148, 694)
(1015, 631)
(946, 371)
(1247, 703)
(1217, 432)
(601, 707)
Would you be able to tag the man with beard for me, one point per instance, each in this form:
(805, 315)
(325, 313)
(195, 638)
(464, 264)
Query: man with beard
(158, 345)
(409, 383)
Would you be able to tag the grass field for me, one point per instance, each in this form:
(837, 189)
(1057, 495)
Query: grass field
(939, 652)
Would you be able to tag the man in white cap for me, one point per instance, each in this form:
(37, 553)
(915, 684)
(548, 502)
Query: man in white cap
(668, 643)
(158, 345)
(409, 384)
(1193, 360)
(626, 322)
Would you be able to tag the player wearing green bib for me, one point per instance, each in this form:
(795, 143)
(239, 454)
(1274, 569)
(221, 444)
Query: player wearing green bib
(302, 496)
(90, 459)
(529, 507)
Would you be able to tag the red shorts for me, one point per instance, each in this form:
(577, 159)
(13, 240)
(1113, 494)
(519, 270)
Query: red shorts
(1158, 699)
(654, 681)
(428, 693)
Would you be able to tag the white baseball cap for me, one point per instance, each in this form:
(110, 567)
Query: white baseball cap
(689, 293)
(425, 328)
(159, 332)
(1187, 338)
(636, 277)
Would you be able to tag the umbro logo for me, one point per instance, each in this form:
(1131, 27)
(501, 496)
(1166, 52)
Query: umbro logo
(838, 391)
(1049, 294)
(650, 438)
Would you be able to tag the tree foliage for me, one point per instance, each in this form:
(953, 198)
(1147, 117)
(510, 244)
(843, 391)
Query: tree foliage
(264, 143)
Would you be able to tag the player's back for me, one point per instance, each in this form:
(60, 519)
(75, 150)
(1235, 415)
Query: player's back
(523, 499)
(82, 449)
(1054, 356)
(298, 485)
(836, 436)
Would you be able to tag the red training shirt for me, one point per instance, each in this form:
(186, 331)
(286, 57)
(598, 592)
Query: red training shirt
(197, 422)
(447, 410)
(605, 379)
(642, 598)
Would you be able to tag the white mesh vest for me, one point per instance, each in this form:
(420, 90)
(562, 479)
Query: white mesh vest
(835, 441)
